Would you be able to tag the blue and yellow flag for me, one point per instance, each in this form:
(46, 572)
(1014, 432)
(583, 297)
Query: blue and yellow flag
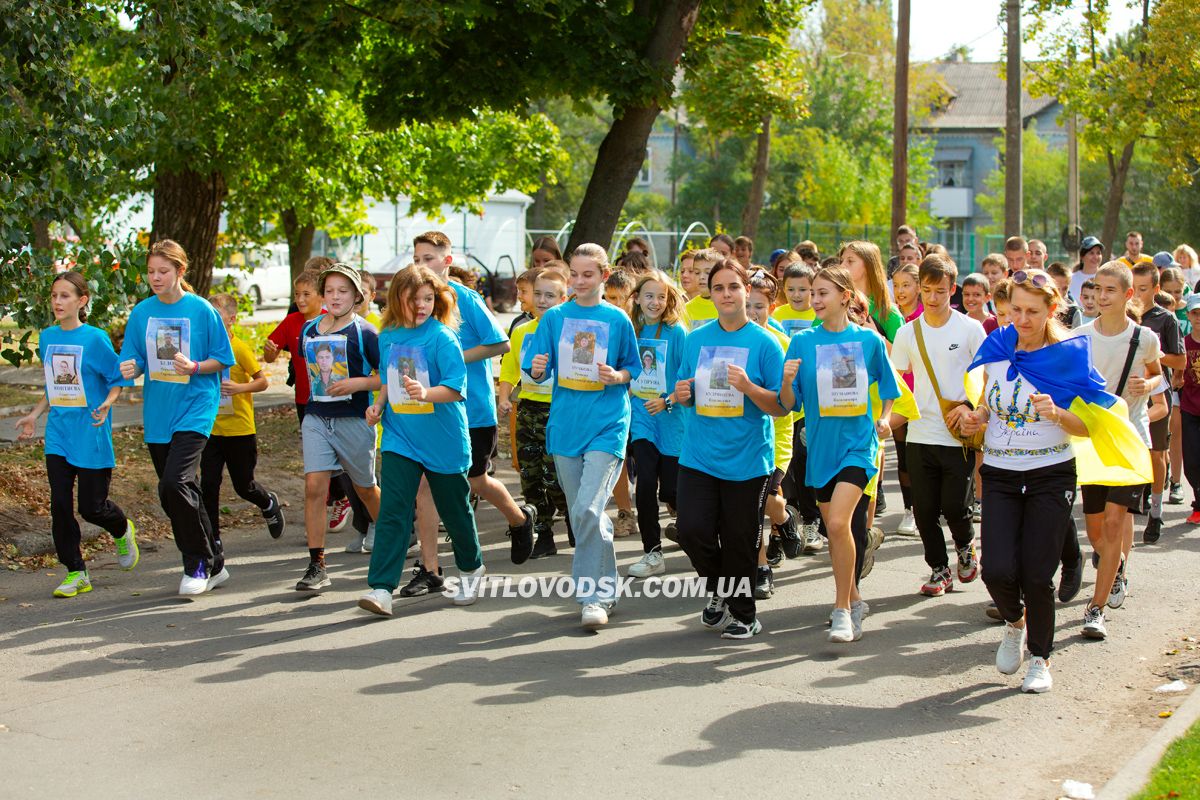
(1112, 454)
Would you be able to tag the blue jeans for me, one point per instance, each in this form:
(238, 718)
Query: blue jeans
(588, 483)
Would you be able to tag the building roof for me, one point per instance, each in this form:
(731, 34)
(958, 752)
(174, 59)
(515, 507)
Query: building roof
(976, 94)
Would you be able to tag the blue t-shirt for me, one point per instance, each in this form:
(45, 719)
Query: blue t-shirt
(351, 351)
(832, 387)
(477, 327)
(81, 367)
(662, 349)
(154, 333)
(432, 434)
(727, 435)
(586, 414)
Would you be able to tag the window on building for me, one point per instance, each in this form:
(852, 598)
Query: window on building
(647, 173)
(952, 173)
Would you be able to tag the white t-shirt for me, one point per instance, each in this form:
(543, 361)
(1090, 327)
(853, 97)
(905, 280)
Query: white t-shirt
(951, 349)
(1108, 357)
(1078, 279)
(1017, 438)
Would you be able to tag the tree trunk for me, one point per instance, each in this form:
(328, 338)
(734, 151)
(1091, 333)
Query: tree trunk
(1118, 171)
(299, 240)
(624, 147)
(187, 208)
(41, 236)
(758, 181)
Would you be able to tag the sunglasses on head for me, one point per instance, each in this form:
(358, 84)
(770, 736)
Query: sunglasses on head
(1035, 279)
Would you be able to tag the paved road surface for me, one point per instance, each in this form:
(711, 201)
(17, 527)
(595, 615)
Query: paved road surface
(258, 691)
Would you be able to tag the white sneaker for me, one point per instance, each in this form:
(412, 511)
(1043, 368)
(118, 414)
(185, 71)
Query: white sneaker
(1011, 651)
(858, 610)
(369, 542)
(593, 616)
(468, 587)
(192, 585)
(841, 627)
(218, 579)
(1037, 678)
(908, 525)
(651, 564)
(377, 601)
(1093, 623)
(810, 533)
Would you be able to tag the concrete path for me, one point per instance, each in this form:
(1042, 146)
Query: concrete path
(259, 691)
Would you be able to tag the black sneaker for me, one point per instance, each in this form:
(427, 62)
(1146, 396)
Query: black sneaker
(1153, 530)
(522, 536)
(274, 516)
(764, 586)
(315, 578)
(423, 582)
(1095, 560)
(774, 551)
(789, 535)
(716, 614)
(880, 503)
(543, 546)
(1069, 582)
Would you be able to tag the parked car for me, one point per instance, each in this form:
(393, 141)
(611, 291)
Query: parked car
(265, 275)
(498, 287)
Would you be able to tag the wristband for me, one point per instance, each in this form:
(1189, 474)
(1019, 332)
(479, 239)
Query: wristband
(667, 401)
(195, 367)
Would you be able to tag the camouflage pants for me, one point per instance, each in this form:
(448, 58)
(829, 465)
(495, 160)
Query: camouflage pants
(539, 480)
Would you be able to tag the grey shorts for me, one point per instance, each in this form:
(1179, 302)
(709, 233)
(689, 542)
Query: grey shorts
(345, 444)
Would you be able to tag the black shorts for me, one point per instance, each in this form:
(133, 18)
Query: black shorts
(1095, 498)
(775, 481)
(855, 475)
(1160, 434)
(483, 443)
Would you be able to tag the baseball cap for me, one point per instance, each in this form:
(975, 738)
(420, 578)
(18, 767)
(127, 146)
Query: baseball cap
(346, 271)
(1163, 259)
(1088, 243)
(1193, 301)
(775, 254)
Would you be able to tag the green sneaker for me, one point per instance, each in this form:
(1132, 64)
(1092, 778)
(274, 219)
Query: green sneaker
(75, 583)
(128, 554)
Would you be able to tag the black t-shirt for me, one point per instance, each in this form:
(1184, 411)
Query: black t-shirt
(1166, 327)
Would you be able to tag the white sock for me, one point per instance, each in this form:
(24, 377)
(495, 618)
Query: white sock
(1156, 505)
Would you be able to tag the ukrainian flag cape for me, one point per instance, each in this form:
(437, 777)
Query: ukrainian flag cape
(1112, 454)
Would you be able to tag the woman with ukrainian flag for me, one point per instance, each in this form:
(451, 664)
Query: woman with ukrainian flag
(1040, 390)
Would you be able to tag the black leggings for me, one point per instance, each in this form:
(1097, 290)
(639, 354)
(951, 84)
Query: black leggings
(1026, 514)
(720, 529)
(657, 479)
(238, 454)
(94, 507)
(177, 464)
(802, 497)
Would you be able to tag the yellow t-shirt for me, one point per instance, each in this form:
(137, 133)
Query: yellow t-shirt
(699, 310)
(905, 406)
(236, 417)
(375, 320)
(784, 426)
(793, 321)
(510, 367)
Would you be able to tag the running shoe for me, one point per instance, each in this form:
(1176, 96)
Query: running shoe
(75, 583)
(874, 540)
(1175, 496)
(194, 582)
(968, 563)
(858, 610)
(423, 582)
(908, 525)
(315, 578)
(741, 630)
(1037, 677)
(218, 578)
(521, 546)
(716, 614)
(813, 543)
(377, 601)
(841, 627)
(764, 585)
(339, 515)
(650, 564)
(468, 586)
(940, 582)
(1069, 581)
(1153, 530)
(1116, 595)
(789, 534)
(543, 545)
(128, 554)
(774, 550)
(976, 512)
(368, 543)
(1194, 518)
(274, 516)
(1093, 623)
(1011, 651)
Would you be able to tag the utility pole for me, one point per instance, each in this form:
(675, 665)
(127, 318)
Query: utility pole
(900, 124)
(1072, 162)
(1012, 138)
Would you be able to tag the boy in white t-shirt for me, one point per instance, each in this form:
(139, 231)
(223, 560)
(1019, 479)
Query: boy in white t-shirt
(1109, 509)
(940, 468)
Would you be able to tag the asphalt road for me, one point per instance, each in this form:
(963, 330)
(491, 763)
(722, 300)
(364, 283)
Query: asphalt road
(258, 691)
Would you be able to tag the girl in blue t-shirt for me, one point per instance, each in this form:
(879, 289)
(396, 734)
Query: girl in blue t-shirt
(828, 372)
(423, 408)
(82, 383)
(656, 425)
(591, 348)
(179, 341)
(730, 375)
